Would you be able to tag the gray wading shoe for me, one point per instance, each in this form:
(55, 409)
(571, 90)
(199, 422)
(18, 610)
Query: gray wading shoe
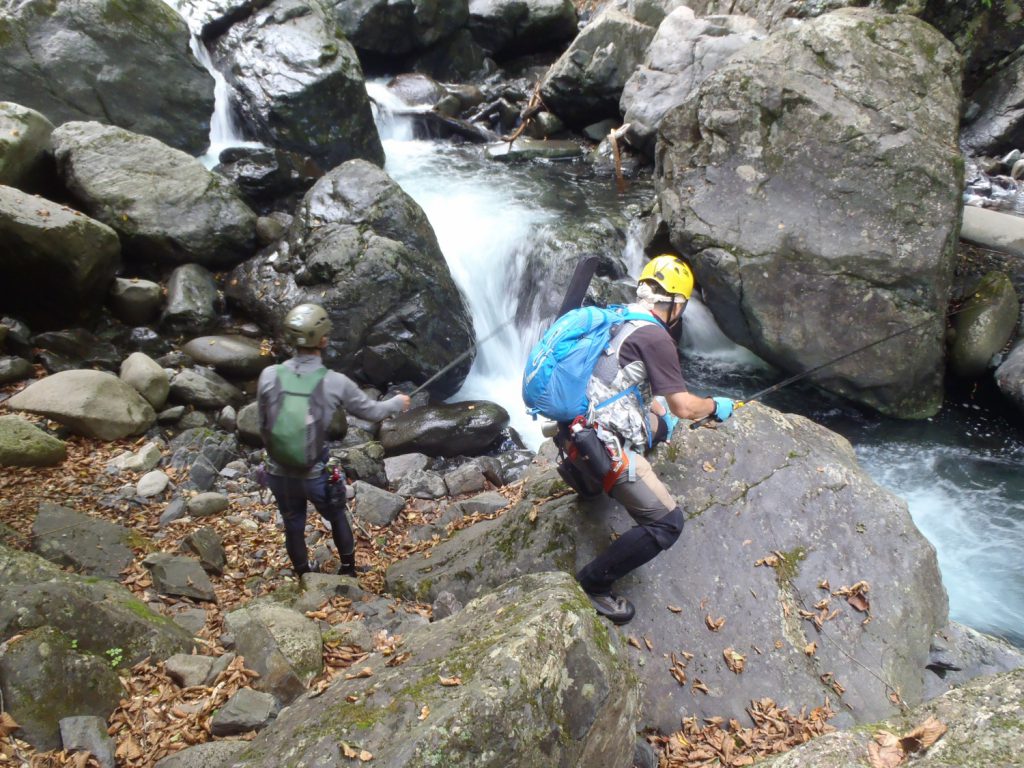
(618, 610)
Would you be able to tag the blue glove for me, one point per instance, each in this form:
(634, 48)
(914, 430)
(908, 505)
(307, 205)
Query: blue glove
(670, 422)
(723, 408)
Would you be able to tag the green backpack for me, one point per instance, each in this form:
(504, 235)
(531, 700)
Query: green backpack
(295, 424)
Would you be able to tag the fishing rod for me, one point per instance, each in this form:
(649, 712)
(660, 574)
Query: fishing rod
(797, 376)
(472, 348)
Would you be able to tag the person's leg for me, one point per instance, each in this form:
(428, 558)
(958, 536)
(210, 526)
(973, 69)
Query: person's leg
(329, 501)
(291, 501)
(659, 524)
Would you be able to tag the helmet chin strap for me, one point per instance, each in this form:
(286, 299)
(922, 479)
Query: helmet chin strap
(647, 298)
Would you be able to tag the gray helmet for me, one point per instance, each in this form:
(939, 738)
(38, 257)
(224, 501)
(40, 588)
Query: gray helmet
(306, 326)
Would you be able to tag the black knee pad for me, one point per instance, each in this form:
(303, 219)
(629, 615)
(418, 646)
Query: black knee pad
(666, 530)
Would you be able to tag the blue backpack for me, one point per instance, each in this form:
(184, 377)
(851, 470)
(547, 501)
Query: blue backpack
(561, 363)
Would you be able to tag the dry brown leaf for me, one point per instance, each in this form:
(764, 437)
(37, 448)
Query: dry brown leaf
(859, 602)
(811, 648)
(533, 515)
(675, 609)
(707, 466)
(7, 725)
(771, 561)
(450, 681)
(633, 641)
(922, 737)
(365, 757)
(346, 750)
(424, 713)
(364, 672)
(699, 686)
(823, 584)
(395, 661)
(714, 624)
(885, 751)
(648, 643)
(734, 660)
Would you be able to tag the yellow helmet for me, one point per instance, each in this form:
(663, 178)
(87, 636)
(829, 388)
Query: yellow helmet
(671, 273)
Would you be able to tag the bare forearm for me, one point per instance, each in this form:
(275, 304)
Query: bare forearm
(689, 406)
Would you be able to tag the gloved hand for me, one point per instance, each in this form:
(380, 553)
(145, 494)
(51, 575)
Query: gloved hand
(723, 408)
(670, 421)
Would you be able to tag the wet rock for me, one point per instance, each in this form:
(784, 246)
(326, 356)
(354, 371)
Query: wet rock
(852, 296)
(234, 356)
(682, 54)
(531, 149)
(87, 545)
(270, 229)
(24, 141)
(134, 301)
(406, 26)
(50, 56)
(192, 215)
(90, 403)
(269, 180)
(191, 300)
(312, 100)
(23, 444)
(376, 506)
(143, 374)
(207, 546)
(455, 59)
(56, 264)
(454, 429)
(416, 89)
(362, 245)
(14, 369)
(514, 27)
(1010, 377)
(986, 322)
(75, 348)
(585, 84)
(181, 576)
(44, 666)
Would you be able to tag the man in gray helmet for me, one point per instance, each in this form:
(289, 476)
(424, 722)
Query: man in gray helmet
(297, 400)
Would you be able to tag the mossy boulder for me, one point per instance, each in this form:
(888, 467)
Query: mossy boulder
(526, 676)
(44, 678)
(985, 323)
(23, 444)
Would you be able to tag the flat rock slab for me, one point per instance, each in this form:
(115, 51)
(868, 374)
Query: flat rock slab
(183, 576)
(247, 710)
(235, 356)
(534, 149)
(90, 546)
(23, 444)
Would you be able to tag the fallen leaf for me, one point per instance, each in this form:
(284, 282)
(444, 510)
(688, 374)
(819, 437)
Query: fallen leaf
(810, 649)
(734, 660)
(633, 641)
(699, 686)
(707, 466)
(823, 584)
(364, 672)
(885, 751)
(675, 609)
(365, 757)
(533, 515)
(424, 713)
(714, 624)
(7, 725)
(859, 602)
(770, 560)
(450, 681)
(922, 737)
(648, 643)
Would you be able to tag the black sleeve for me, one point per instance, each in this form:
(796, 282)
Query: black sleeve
(654, 346)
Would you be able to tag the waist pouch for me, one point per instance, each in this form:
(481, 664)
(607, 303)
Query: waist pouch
(595, 452)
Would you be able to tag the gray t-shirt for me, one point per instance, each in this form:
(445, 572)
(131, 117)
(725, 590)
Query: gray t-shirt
(340, 392)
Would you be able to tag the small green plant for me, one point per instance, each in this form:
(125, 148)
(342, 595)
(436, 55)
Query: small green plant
(116, 656)
(74, 644)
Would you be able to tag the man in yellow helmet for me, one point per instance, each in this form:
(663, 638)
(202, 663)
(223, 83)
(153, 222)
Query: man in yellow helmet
(644, 355)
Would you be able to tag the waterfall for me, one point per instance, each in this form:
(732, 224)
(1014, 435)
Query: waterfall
(224, 129)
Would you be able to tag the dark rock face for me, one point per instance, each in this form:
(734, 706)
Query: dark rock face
(769, 174)
(298, 83)
(51, 54)
(513, 27)
(163, 203)
(454, 429)
(363, 249)
(55, 264)
(399, 26)
(269, 179)
(996, 110)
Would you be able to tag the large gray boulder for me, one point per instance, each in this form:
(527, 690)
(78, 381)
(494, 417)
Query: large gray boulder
(996, 123)
(364, 250)
(684, 52)
(90, 403)
(586, 82)
(525, 676)
(298, 85)
(453, 429)
(777, 14)
(56, 265)
(769, 174)
(513, 27)
(97, 614)
(163, 203)
(398, 27)
(89, 545)
(1010, 377)
(203, 388)
(984, 726)
(986, 321)
(45, 678)
(192, 300)
(122, 62)
(143, 374)
(23, 444)
(24, 140)
(776, 507)
(235, 356)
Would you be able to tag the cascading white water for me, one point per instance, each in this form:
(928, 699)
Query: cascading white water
(224, 129)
